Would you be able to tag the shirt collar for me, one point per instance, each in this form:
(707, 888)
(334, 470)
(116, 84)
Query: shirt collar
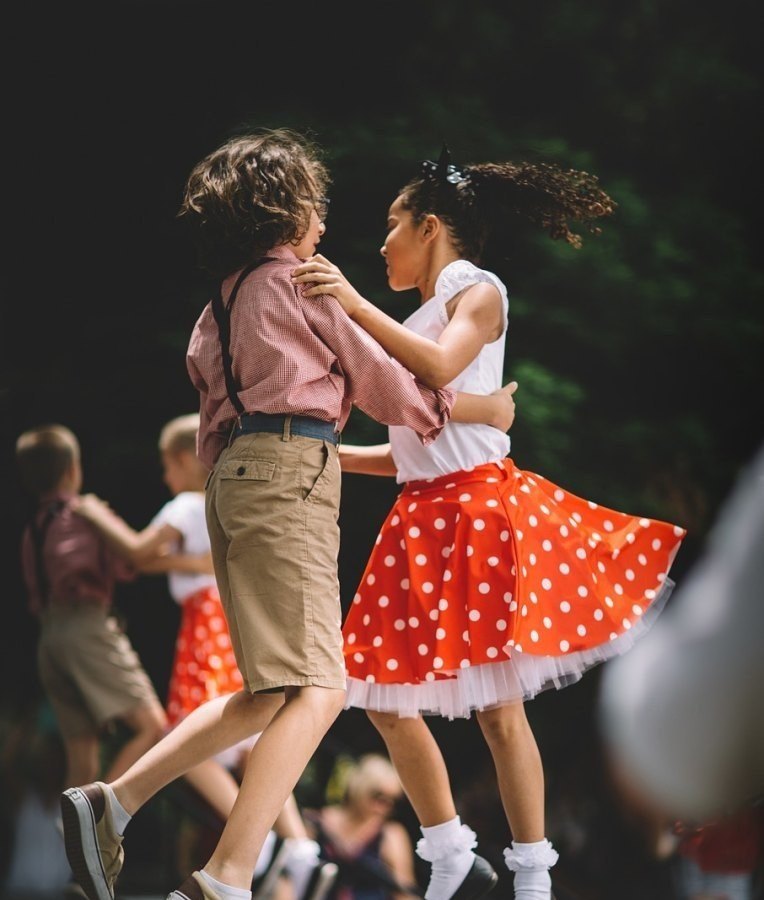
(283, 251)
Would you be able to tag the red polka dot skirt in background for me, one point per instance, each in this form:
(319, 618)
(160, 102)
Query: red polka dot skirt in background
(490, 585)
(204, 666)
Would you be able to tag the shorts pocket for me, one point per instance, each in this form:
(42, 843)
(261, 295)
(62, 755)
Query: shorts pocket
(316, 471)
(247, 470)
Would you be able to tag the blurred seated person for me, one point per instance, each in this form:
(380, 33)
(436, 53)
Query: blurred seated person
(373, 853)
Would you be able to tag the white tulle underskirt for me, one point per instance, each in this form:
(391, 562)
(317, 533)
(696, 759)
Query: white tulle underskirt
(486, 686)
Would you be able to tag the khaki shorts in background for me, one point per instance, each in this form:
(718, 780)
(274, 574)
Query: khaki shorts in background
(88, 669)
(272, 510)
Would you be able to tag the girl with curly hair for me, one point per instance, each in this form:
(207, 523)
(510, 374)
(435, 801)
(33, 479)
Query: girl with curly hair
(487, 584)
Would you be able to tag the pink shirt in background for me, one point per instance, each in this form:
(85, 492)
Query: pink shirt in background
(301, 356)
(79, 566)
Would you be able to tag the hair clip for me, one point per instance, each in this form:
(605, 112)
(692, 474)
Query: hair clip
(443, 171)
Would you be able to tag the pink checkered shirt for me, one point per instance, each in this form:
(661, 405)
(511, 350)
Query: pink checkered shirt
(79, 566)
(300, 356)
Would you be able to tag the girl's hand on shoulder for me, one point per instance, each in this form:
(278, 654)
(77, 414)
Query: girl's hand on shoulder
(322, 277)
(90, 507)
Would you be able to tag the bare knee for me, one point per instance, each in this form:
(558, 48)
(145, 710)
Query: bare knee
(388, 724)
(503, 725)
(148, 722)
(326, 703)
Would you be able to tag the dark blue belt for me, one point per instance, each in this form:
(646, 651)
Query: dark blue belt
(306, 426)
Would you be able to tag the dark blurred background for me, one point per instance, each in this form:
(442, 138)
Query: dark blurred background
(639, 357)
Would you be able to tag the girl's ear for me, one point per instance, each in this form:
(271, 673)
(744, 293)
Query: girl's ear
(430, 228)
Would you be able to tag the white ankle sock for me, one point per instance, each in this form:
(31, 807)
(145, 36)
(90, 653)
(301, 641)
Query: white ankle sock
(225, 891)
(531, 864)
(448, 847)
(119, 814)
(533, 885)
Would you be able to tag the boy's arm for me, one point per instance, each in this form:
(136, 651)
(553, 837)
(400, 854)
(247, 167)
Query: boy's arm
(137, 547)
(373, 460)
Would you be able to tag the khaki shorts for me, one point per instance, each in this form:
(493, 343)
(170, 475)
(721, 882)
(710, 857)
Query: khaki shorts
(89, 670)
(272, 510)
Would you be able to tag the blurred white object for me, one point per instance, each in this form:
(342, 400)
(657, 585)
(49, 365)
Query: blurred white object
(683, 712)
(38, 862)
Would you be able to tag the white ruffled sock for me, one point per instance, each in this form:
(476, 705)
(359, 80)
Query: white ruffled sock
(119, 814)
(225, 891)
(448, 847)
(531, 864)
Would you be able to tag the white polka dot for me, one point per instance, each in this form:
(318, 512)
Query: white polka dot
(532, 559)
(524, 571)
(358, 657)
(423, 649)
(351, 639)
(399, 624)
(513, 606)
(596, 537)
(564, 568)
(519, 534)
(484, 587)
(470, 550)
(637, 610)
(601, 566)
(564, 646)
(466, 636)
(577, 517)
(598, 615)
(507, 597)
(504, 536)
(525, 489)
(384, 600)
(465, 498)
(609, 602)
(533, 521)
(414, 532)
(445, 552)
(613, 635)
(370, 679)
(474, 615)
(607, 525)
(656, 544)
(678, 532)
(661, 577)
(626, 624)
(440, 524)
(389, 561)
(414, 622)
(371, 579)
(402, 544)
(581, 553)
(430, 676)
(491, 652)
(565, 606)
(405, 584)
(564, 530)
(533, 597)
(366, 619)
(519, 648)
(631, 537)
(447, 575)
(493, 560)
(412, 507)
(492, 503)
(420, 559)
(524, 610)
(544, 509)
(591, 504)
(535, 637)
(618, 589)
(378, 540)
(582, 591)
(642, 559)
(478, 524)
(428, 587)
(392, 664)
(440, 633)
(501, 624)
(395, 520)
(357, 599)
(559, 496)
(465, 664)
(491, 480)
(437, 663)
(442, 605)
(546, 584)
(450, 485)
(513, 500)
(645, 523)
(377, 642)
(630, 576)
(581, 629)
(616, 553)
(531, 481)
(650, 594)
(547, 545)
(547, 622)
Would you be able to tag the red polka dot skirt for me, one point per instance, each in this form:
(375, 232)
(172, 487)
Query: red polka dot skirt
(488, 586)
(204, 666)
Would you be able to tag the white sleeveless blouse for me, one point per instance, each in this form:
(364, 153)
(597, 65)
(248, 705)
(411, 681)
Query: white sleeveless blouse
(459, 446)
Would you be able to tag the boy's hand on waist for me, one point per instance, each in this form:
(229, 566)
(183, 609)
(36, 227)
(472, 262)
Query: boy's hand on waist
(326, 278)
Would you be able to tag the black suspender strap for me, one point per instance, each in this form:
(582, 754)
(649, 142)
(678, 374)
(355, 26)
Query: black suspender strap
(38, 534)
(222, 314)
